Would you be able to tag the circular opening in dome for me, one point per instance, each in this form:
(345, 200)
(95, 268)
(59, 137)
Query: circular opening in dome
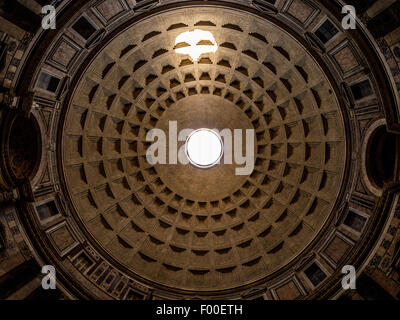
(204, 148)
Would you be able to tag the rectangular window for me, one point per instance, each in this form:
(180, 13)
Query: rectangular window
(47, 210)
(84, 28)
(315, 274)
(361, 90)
(48, 82)
(355, 221)
(82, 262)
(133, 295)
(326, 31)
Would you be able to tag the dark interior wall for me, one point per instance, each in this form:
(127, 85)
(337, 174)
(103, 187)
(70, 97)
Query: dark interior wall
(18, 277)
(18, 14)
(369, 289)
(386, 21)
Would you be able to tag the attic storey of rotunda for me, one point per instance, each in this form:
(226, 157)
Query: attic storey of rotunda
(313, 108)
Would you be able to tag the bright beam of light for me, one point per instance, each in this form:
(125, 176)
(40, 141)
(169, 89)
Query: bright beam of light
(194, 39)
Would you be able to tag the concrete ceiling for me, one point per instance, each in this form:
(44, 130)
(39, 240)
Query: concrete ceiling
(190, 228)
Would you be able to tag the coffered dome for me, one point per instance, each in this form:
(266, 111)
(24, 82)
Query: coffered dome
(179, 225)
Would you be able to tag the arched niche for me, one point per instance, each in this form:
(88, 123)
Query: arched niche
(21, 149)
(380, 156)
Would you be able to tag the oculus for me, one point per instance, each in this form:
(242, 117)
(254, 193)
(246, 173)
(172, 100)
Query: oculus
(204, 148)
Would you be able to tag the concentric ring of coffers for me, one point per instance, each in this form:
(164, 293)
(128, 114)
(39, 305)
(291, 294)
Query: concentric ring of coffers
(224, 242)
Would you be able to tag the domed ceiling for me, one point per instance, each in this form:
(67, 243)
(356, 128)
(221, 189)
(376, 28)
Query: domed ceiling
(319, 195)
(204, 229)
